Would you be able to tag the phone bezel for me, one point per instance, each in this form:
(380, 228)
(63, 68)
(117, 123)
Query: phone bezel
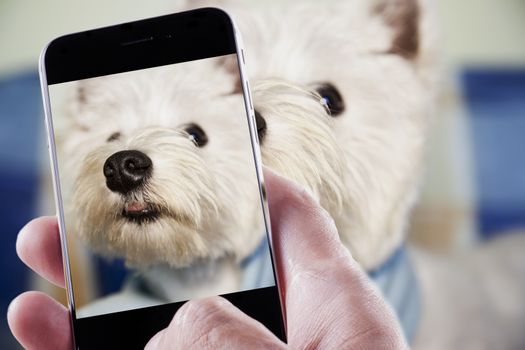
(57, 65)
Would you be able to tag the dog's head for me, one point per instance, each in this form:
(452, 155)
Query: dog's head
(159, 163)
(369, 65)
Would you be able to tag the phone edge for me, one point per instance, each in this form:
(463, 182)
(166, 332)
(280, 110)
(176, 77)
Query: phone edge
(57, 189)
(250, 114)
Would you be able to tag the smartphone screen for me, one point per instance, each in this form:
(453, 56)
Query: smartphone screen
(157, 177)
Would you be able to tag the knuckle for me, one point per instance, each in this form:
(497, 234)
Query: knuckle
(200, 312)
(208, 316)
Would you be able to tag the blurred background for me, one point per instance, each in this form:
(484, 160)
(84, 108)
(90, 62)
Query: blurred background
(474, 186)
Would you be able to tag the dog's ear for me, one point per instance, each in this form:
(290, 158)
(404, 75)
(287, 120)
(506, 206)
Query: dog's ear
(230, 65)
(81, 93)
(403, 16)
(85, 91)
(76, 100)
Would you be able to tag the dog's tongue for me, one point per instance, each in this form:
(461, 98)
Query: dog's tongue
(136, 207)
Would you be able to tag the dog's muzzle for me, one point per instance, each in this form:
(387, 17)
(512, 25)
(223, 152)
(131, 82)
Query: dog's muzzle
(127, 170)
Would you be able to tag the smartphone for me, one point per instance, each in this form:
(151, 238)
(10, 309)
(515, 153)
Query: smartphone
(157, 176)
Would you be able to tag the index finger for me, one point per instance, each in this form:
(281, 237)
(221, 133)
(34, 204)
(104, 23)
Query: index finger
(38, 246)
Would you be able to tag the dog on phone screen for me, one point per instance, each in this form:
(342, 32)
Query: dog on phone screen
(160, 172)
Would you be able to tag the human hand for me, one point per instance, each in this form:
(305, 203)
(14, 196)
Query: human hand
(329, 301)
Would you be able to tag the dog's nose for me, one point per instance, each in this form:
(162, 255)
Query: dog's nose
(126, 170)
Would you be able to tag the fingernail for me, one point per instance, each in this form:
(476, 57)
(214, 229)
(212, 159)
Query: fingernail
(20, 232)
(154, 342)
(9, 308)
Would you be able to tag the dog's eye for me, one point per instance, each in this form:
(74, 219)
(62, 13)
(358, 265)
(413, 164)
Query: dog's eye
(197, 135)
(113, 137)
(261, 125)
(331, 98)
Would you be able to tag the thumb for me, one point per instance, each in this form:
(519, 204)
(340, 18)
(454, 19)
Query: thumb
(303, 233)
(330, 302)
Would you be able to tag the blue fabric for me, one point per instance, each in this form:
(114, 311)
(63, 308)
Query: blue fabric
(21, 124)
(496, 103)
(398, 281)
(258, 268)
(111, 274)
